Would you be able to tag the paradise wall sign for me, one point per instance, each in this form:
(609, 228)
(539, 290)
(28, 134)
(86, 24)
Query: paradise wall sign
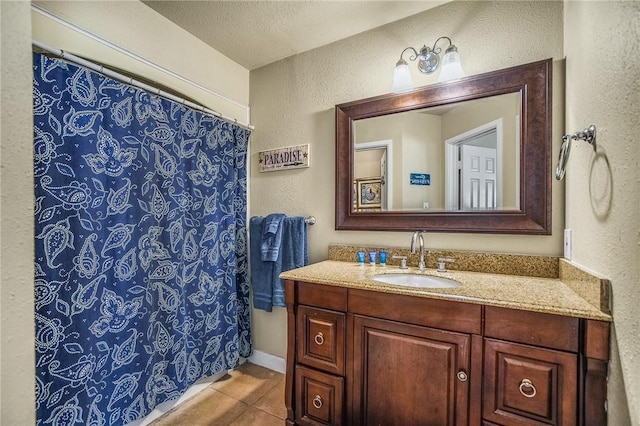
(289, 157)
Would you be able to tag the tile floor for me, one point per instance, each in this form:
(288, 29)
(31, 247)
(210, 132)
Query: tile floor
(250, 395)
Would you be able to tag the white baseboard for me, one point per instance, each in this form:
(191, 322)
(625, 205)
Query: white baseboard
(269, 361)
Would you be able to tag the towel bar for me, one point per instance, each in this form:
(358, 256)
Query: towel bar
(310, 220)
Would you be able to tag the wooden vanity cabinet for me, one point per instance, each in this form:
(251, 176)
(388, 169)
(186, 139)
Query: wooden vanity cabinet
(316, 329)
(320, 339)
(543, 369)
(320, 397)
(359, 357)
(412, 360)
(409, 375)
(525, 384)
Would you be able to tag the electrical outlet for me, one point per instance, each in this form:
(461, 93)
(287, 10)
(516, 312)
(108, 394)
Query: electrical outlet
(567, 244)
(425, 205)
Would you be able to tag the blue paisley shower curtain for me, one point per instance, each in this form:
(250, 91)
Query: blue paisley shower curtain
(141, 248)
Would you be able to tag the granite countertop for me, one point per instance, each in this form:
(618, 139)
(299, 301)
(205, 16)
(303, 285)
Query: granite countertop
(547, 295)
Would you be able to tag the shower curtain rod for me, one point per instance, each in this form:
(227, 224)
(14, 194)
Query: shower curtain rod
(133, 82)
(62, 21)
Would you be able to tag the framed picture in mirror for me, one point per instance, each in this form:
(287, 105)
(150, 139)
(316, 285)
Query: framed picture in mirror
(369, 193)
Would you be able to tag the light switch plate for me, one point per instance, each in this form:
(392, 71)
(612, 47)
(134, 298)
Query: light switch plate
(567, 244)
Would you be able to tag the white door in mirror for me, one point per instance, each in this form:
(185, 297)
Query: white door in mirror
(479, 183)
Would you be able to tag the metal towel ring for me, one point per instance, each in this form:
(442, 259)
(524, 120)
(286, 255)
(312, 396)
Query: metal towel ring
(563, 157)
(587, 135)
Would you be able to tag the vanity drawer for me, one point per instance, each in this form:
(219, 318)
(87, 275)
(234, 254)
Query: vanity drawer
(320, 337)
(528, 385)
(532, 328)
(319, 397)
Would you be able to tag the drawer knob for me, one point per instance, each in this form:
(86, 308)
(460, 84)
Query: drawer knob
(527, 389)
(319, 339)
(462, 376)
(317, 402)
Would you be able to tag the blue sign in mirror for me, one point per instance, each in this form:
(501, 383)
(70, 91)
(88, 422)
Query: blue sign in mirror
(419, 179)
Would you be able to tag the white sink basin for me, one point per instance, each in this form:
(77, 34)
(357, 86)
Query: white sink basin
(415, 280)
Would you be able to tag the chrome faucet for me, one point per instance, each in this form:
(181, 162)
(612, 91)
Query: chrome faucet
(418, 236)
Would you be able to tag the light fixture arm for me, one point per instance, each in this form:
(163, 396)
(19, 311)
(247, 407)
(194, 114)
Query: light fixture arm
(438, 49)
(411, 58)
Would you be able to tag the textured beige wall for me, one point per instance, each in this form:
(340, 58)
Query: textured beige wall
(367, 163)
(292, 102)
(17, 358)
(603, 187)
(131, 25)
(421, 150)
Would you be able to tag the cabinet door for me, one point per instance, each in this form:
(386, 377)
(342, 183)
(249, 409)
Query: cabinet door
(409, 375)
(319, 398)
(528, 385)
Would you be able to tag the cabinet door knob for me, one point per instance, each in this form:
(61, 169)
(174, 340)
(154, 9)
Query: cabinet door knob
(527, 389)
(319, 339)
(462, 376)
(317, 402)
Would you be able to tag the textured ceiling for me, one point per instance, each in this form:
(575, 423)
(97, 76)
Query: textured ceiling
(256, 33)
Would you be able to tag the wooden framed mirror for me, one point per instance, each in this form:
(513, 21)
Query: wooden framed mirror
(436, 197)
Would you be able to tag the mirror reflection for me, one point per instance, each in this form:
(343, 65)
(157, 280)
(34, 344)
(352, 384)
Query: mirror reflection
(461, 156)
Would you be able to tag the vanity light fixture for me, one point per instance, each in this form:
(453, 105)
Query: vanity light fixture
(428, 62)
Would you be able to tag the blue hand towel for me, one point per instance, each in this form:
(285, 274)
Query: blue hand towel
(294, 250)
(271, 237)
(267, 287)
(263, 274)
